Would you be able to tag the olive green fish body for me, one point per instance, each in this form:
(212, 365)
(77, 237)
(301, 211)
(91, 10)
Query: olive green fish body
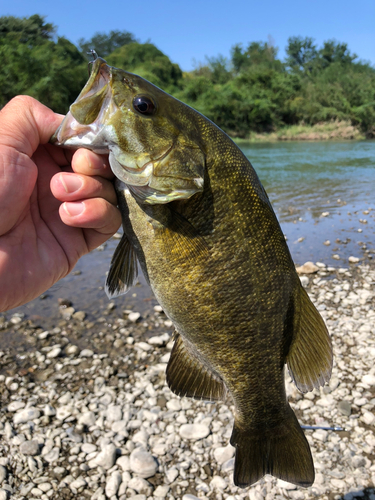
(200, 224)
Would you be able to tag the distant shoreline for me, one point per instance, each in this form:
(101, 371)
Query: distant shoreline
(326, 131)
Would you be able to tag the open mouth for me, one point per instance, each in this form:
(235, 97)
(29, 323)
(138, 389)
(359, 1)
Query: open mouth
(83, 125)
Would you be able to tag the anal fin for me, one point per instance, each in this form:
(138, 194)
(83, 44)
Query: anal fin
(310, 356)
(187, 376)
(123, 271)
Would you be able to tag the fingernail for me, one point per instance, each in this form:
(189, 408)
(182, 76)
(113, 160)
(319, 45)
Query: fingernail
(71, 183)
(94, 165)
(74, 209)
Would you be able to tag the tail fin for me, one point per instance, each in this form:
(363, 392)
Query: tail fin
(284, 453)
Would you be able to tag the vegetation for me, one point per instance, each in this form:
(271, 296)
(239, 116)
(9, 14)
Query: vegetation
(251, 93)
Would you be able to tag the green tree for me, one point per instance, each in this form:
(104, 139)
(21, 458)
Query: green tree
(148, 61)
(301, 52)
(34, 64)
(105, 43)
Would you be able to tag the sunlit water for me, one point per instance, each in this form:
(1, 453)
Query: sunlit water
(304, 180)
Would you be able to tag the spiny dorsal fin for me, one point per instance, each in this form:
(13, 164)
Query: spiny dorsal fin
(310, 356)
(187, 376)
(123, 272)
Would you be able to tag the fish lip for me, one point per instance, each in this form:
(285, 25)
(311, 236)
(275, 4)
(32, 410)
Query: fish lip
(73, 132)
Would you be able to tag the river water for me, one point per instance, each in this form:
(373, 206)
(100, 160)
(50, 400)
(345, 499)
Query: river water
(320, 191)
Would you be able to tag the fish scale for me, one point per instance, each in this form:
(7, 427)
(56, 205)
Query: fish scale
(202, 228)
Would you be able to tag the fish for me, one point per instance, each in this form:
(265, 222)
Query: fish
(198, 221)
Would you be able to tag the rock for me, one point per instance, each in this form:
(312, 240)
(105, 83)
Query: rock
(171, 474)
(88, 418)
(194, 431)
(366, 379)
(64, 412)
(15, 406)
(174, 404)
(88, 448)
(79, 315)
(49, 410)
(3, 473)
(218, 483)
(80, 482)
(143, 464)
(307, 268)
(54, 352)
(26, 415)
(67, 312)
(223, 454)
(189, 496)
(140, 485)
(345, 408)
(304, 281)
(113, 484)
(114, 413)
(86, 353)
(124, 463)
(368, 418)
(107, 457)
(52, 456)
(134, 316)
(71, 350)
(30, 448)
(353, 260)
(161, 491)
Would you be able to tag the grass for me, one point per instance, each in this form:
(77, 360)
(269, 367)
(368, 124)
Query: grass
(327, 131)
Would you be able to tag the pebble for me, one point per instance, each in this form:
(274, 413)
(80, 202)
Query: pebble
(134, 316)
(3, 473)
(113, 484)
(54, 352)
(15, 406)
(143, 463)
(26, 415)
(107, 457)
(307, 268)
(86, 353)
(194, 431)
(223, 454)
(353, 260)
(30, 448)
(52, 456)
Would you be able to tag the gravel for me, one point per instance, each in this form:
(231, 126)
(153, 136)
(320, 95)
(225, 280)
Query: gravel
(97, 421)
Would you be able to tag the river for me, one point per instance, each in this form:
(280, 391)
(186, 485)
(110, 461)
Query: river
(320, 191)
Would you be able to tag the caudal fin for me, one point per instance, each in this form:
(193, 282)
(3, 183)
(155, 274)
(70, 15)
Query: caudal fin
(283, 453)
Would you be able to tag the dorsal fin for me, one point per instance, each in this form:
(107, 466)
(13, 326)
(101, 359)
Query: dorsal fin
(310, 355)
(187, 376)
(123, 271)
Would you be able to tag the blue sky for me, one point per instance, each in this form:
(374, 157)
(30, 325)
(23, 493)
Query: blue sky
(188, 31)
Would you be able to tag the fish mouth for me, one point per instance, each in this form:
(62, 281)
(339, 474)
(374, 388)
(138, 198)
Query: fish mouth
(84, 124)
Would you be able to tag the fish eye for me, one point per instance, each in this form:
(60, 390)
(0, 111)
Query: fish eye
(144, 105)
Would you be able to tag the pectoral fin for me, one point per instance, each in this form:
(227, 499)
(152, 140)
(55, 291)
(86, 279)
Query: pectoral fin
(310, 356)
(187, 376)
(123, 272)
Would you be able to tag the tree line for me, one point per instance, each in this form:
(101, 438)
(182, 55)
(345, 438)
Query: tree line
(252, 90)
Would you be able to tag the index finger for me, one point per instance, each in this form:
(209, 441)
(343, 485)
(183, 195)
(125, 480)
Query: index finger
(87, 162)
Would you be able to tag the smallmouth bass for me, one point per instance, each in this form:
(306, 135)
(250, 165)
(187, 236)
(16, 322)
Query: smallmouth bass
(201, 226)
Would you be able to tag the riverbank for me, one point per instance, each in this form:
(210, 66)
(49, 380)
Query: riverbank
(91, 417)
(327, 131)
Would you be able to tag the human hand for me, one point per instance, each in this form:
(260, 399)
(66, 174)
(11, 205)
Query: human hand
(41, 239)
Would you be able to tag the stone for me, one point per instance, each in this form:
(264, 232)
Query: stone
(107, 457)
(307, 268)
(345, 408)
(114, 413)
(49, 410)
(54, 352)
(218, 483)
(161, 491)
(15, 406)
(86, 353)
(124, 463)
(64, 412)
(30, 448)
(87, 418)
(223, 454)
(26, 415)
(78, 483)
(52, 456)
(353, 260)
(79, 315)
(113, 484)
(3, 473)
(143, 463)
(194, 431)
(88, 448)
(71, 350)
(174, 404)
(134, 316)
(368, 418)
(171, 474)
(140, 485)
(366, 379)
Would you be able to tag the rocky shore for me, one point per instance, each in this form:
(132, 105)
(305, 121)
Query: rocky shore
(90, 416)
